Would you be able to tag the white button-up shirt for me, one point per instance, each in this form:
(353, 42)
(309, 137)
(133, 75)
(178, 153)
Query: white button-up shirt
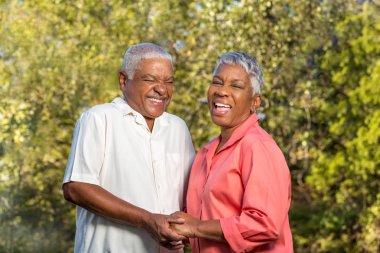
(112, 147)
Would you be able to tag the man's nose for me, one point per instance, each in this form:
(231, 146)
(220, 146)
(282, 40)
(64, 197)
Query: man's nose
(160, 88)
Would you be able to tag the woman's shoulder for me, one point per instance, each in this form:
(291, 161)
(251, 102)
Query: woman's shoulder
(257, 134)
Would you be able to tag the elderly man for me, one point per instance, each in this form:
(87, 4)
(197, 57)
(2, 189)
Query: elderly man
(129, 162)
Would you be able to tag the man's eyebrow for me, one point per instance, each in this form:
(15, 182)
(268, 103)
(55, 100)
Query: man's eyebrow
(148, 76)
(155, 77)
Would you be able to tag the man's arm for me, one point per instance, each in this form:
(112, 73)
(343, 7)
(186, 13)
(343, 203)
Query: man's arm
(97, 200)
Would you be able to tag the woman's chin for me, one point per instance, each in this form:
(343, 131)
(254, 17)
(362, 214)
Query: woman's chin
(219, 121)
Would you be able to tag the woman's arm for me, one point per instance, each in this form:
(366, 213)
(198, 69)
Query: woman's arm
(193, 227)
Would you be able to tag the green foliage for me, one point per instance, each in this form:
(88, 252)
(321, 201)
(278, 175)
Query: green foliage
(322, 70)
(346, 173)
(45, 83)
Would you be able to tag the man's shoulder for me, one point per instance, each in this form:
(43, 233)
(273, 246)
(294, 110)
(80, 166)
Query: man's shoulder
(102, 109)
(99, 113)
(174, 120)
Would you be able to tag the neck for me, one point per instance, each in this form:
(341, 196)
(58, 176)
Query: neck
(226, 132)
(225, 135)
(150, 123)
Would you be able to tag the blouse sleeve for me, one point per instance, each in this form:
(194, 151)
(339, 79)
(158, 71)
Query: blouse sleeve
(87, 150)
(266, 200)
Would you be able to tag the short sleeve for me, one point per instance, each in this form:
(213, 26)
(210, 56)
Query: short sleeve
(87, 150)
(188, 161)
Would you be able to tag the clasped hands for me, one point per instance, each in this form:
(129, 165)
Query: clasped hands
(173, 230)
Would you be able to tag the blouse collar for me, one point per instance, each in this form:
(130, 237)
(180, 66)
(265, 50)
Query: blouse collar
(236, 135)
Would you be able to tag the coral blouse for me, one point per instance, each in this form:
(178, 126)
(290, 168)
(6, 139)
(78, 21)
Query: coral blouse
(246, 185)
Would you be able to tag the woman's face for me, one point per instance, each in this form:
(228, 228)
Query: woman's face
(230, 96)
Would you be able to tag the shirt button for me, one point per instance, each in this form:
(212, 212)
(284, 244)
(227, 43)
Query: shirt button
(158, 186)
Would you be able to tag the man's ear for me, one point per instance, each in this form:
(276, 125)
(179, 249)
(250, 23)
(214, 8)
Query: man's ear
(122, 80)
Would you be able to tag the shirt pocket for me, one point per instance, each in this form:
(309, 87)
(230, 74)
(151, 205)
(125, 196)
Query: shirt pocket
(174, 170)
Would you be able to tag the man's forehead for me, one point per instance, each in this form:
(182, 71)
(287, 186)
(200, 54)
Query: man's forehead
(156, 60)
(147, 75)
(155, 66)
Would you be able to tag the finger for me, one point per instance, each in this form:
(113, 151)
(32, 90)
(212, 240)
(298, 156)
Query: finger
(177, 213)
(173, 236)
(175, 219)
(173, 245)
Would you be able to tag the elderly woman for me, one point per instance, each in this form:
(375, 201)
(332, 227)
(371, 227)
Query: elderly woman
(239, 189)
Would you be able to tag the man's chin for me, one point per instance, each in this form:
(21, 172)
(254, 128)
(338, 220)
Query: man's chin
(154, 115)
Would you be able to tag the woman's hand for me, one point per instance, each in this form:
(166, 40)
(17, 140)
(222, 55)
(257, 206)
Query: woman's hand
(193, 227)
(188, 228)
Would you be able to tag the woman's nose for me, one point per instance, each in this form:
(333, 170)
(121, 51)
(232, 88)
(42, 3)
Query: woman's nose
(221, 91)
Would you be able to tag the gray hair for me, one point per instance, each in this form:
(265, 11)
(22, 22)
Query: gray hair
(139, 52)
(248, 63)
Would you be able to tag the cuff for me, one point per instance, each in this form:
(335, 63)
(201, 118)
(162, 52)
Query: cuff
(90, 179)
(232, 234)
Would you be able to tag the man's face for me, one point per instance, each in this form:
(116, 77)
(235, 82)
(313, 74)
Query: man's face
(150, 90)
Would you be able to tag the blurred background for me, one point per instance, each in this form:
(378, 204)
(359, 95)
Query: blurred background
(321, 102)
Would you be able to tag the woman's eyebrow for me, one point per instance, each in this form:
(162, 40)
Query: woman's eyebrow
(238, 80)
(216, 77)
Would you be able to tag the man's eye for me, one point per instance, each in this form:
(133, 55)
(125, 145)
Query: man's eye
(216, 83)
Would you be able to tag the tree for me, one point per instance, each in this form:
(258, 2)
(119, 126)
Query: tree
(345, 175)
(52, 62)
(320, 60)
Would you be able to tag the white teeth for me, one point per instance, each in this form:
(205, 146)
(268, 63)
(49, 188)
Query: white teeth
(155, 100)
(222, 105)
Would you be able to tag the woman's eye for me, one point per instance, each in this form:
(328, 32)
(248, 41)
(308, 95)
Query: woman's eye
(235, 85)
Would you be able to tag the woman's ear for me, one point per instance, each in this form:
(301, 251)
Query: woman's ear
(255, 103)
(257, 100)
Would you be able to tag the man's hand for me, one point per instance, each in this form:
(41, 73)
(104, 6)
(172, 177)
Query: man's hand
(158, 226)
(173, 245)
(187, 228)
(101, 202)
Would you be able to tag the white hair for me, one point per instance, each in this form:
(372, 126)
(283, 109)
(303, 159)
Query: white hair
(139, 52)
(250, 65)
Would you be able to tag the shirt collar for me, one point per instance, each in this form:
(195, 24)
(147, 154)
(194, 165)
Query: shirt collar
(236, 135)
(123, 106)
